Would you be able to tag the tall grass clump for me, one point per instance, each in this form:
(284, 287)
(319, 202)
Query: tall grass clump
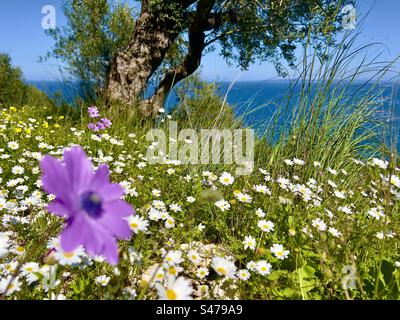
(334, 110)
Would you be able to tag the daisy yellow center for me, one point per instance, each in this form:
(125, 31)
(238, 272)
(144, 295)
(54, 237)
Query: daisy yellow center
(221, 270)
(68, 254)
(279, 253)
(171, 294)
(263, 268)
(29, 269)
(226, 179)
(134, 225)
(172, 271)
(20, 249)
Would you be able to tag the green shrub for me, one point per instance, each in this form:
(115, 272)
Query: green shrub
(13, 91)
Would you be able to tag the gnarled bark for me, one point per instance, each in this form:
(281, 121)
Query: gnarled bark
(154, 35)
(190, 63)
(132, 69)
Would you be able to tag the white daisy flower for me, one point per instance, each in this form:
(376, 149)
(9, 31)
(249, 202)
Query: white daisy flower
(10, 285)
(223, 205)
(137, 223)
(266, 226)
(70, 257)
(226, 179)
(319, 224)
(243, 275)
(102, 280)
(249, 243)
(223, 267)
(279, 252)
(202, 273)
(177, 289)
(263, 267)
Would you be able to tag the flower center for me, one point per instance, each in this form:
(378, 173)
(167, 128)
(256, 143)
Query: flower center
(68, 254)
(172, 271)
(221, 270)
(91, 203)
(171, 295)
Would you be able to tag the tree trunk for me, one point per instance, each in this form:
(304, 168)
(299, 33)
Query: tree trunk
(191, 62)
(154, 35)
(132, 69)
(189, 65)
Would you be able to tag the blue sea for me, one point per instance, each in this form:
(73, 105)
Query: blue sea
(255, 101)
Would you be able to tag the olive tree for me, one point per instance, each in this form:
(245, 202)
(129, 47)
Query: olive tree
(246, 30)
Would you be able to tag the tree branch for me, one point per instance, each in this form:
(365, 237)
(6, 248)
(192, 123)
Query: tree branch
(145, 6)
(187, 3)
(225, 34)
(190, 63)
(214, 20)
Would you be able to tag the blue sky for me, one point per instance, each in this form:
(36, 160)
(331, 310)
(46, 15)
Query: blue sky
(22, 36)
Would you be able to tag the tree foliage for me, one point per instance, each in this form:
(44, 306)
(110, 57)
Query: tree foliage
(13, 90)
(95, 32)
(247, 31)
(124, 46)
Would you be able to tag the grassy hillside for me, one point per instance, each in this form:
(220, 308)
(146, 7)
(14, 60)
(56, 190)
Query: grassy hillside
(329, 219)
(317, 218)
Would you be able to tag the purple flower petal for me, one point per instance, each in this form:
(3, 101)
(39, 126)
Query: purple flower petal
(119, 227)
(74, 234)
(110, 251)
(55, 179)
(100, 178)
(119, 208)
(79, 168)
(93, 112)
(96, 214)
(58, 208)
(111, 192)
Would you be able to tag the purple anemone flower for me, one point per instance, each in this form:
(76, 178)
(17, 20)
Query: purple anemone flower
(106, 122)
(101, 126)
(95, 214)
(93, 127)
(93, 112)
